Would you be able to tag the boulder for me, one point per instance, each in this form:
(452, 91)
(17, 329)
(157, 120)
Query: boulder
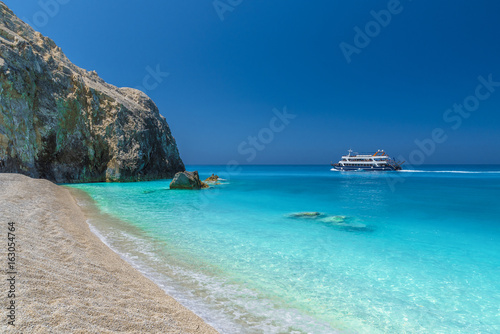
(187, 180)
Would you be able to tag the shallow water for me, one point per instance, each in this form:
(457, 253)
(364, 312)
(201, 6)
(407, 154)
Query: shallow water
(410, 252)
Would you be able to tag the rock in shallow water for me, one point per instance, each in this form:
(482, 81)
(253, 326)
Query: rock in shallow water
(65, 124)
(187, 181)
(340, 222)
(305, 215)
(345, 223)
(212, 178)
(334, 219)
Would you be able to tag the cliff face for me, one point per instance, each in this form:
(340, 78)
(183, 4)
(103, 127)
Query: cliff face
(63, 123)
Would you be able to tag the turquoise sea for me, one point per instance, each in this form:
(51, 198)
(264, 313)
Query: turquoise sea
(416, 251)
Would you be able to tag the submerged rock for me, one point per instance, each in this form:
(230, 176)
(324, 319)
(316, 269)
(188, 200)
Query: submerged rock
(187, 180)
(305, 215)
(65, 124)
(334, 219)
(340, 222)
(345, 223)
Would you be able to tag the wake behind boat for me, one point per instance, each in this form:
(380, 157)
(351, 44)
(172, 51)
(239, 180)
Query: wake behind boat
(378, 161)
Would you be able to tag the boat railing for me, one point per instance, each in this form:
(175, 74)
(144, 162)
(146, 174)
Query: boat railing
(372, 154)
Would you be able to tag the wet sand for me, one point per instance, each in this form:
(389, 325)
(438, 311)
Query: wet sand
(67, 280)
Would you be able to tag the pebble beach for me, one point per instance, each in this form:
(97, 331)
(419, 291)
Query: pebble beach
(67, 280)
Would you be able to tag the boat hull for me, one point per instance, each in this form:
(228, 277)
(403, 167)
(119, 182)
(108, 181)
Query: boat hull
(368, 169)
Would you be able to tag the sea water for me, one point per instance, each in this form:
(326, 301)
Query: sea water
(416, 251)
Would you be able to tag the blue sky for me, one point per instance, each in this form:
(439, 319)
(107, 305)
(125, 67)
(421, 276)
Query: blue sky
(226, 76)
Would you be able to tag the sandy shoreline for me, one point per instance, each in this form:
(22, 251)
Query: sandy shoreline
(68, 281)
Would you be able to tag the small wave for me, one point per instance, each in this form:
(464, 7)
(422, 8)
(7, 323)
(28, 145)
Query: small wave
(231, 297)
(448, 171)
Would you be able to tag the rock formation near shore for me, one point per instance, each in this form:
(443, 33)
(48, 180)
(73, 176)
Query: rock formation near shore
(65, 124)
(212, 178)
(188, 181)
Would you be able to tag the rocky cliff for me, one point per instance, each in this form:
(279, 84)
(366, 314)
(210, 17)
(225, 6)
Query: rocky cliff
(63, 123)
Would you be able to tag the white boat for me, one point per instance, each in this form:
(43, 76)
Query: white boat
(378, 161)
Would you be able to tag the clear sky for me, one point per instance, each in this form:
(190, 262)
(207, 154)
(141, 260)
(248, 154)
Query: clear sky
(363, 74)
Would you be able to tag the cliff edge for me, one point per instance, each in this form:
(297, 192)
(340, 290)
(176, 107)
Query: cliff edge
(65, 124)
